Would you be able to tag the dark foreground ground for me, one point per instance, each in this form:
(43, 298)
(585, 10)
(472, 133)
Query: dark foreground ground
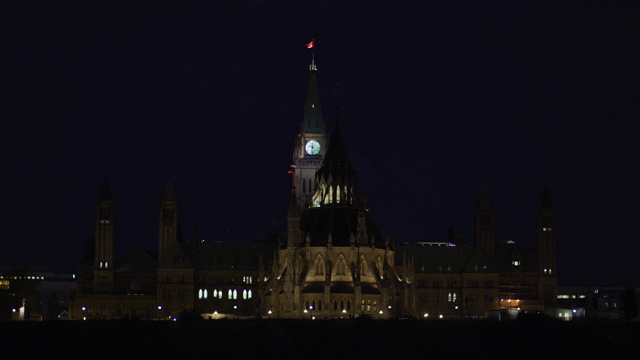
(332, 339)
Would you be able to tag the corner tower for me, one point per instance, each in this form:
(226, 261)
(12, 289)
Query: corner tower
(168, 231)
(311, 142)
(546, 249)
(484, 224)
(103, 248)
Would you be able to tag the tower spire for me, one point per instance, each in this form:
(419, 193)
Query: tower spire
(311, 142)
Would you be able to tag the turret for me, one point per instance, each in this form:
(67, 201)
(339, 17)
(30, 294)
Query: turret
(104, 242)
(546, 234)
(168, 221)
(484, 224)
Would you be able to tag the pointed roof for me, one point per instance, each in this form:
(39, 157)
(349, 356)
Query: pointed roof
(313, 121)
(484, 201)
(169, 195)
(105, 193)
(137, 259)
(336, 160)
(545, 200)
(338, 220)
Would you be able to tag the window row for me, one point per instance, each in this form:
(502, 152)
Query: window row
(341, 267)
(231, 294)
(167, 293)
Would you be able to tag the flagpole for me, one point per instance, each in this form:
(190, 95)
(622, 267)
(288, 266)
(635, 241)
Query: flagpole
(311, 46)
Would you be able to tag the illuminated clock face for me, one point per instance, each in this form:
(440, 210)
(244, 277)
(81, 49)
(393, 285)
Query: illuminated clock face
(312, 147)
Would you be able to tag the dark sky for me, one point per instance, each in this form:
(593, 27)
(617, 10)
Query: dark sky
(439, 100)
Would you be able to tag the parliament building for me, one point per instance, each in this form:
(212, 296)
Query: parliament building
(334, 261)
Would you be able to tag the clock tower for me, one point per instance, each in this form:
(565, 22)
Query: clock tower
(311, 142)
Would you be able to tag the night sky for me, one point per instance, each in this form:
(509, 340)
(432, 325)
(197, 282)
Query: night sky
(438, 101)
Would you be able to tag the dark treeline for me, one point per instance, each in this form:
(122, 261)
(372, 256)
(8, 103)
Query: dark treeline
(335, 339)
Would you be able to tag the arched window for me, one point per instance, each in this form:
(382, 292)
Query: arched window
(335, 305)
(215, 293)
(319, 304)
(235, 294)
(341, 266)
(338, 194)
(230, 294)
(249, 294)
(341, 304)
(348, 305)
(319, 265)
(306, 304)
(375, 305)
(200, 294)
(363, 266)
(244, 294)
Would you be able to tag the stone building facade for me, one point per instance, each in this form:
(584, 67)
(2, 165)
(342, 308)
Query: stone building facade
(334, 261)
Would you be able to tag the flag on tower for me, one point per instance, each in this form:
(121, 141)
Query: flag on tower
(310, 45)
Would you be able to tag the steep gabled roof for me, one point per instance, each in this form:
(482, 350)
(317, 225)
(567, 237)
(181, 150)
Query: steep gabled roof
(219, 256)
(137, 259)
(444, 259)
(508, 251)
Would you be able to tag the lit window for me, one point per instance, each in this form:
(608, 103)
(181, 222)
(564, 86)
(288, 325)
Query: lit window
(235, 294)
(200, 294)
(516, 262)
(244, 294)
(230, 294)
(249, 295)
(206, 294)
